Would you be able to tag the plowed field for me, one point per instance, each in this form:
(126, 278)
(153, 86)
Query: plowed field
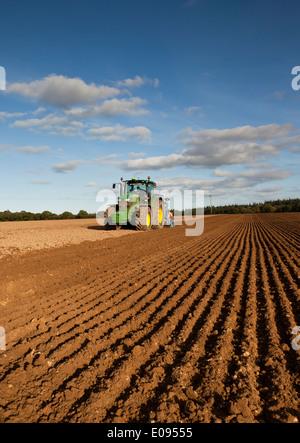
(156, 326)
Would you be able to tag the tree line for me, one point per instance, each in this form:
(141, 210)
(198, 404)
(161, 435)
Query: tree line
(276, 206)
(288, 205)
(45, 215)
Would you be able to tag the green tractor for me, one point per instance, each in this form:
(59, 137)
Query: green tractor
(138, 205)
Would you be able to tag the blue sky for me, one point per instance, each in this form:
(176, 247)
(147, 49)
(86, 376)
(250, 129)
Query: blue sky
(195, 93)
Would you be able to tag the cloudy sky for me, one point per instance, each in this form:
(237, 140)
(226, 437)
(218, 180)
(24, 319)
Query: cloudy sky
(196, 93)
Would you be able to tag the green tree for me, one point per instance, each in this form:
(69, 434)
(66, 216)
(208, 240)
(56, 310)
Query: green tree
(267, 207)
(46, 215)
(82, 214)
(67, 215)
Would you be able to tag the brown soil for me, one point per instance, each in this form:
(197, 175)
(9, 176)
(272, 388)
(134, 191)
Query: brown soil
(19, 237)
(155, 326)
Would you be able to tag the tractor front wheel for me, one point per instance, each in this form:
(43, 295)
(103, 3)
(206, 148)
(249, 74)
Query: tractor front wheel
(109, 225)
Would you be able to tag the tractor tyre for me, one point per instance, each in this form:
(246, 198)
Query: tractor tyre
(143, 223)
(109, 226)
(106, 225)
(161, 215)
(158, 215)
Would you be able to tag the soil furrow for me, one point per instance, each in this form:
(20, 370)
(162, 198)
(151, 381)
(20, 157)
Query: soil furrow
(156, 326)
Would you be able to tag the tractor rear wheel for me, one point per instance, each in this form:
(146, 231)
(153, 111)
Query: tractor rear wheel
(158, 215)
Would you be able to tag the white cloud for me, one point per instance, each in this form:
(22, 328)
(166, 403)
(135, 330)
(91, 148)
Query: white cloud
(71, 165)
(160, 162)
(62, 91)
(52, 123)
(136, 82)
(131, 82)
(44, 123)
(39, 111)
(120, 133)
(195, 140)
(32, 149)
(113, 107)
(79, 112)
(4, 115)
(214, 148)
(67, 167)
(239, 181)
(26, 149)
(223, 173)
(110, 108)
(77, 100)
(134, 155)
(62, 125)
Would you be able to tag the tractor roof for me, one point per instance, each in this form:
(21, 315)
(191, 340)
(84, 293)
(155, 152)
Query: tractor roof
(134, 180)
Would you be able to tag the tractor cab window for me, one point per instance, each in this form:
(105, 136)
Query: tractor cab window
(135, 187)
(150, 188)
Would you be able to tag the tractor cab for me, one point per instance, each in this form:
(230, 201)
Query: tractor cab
(135, 186)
